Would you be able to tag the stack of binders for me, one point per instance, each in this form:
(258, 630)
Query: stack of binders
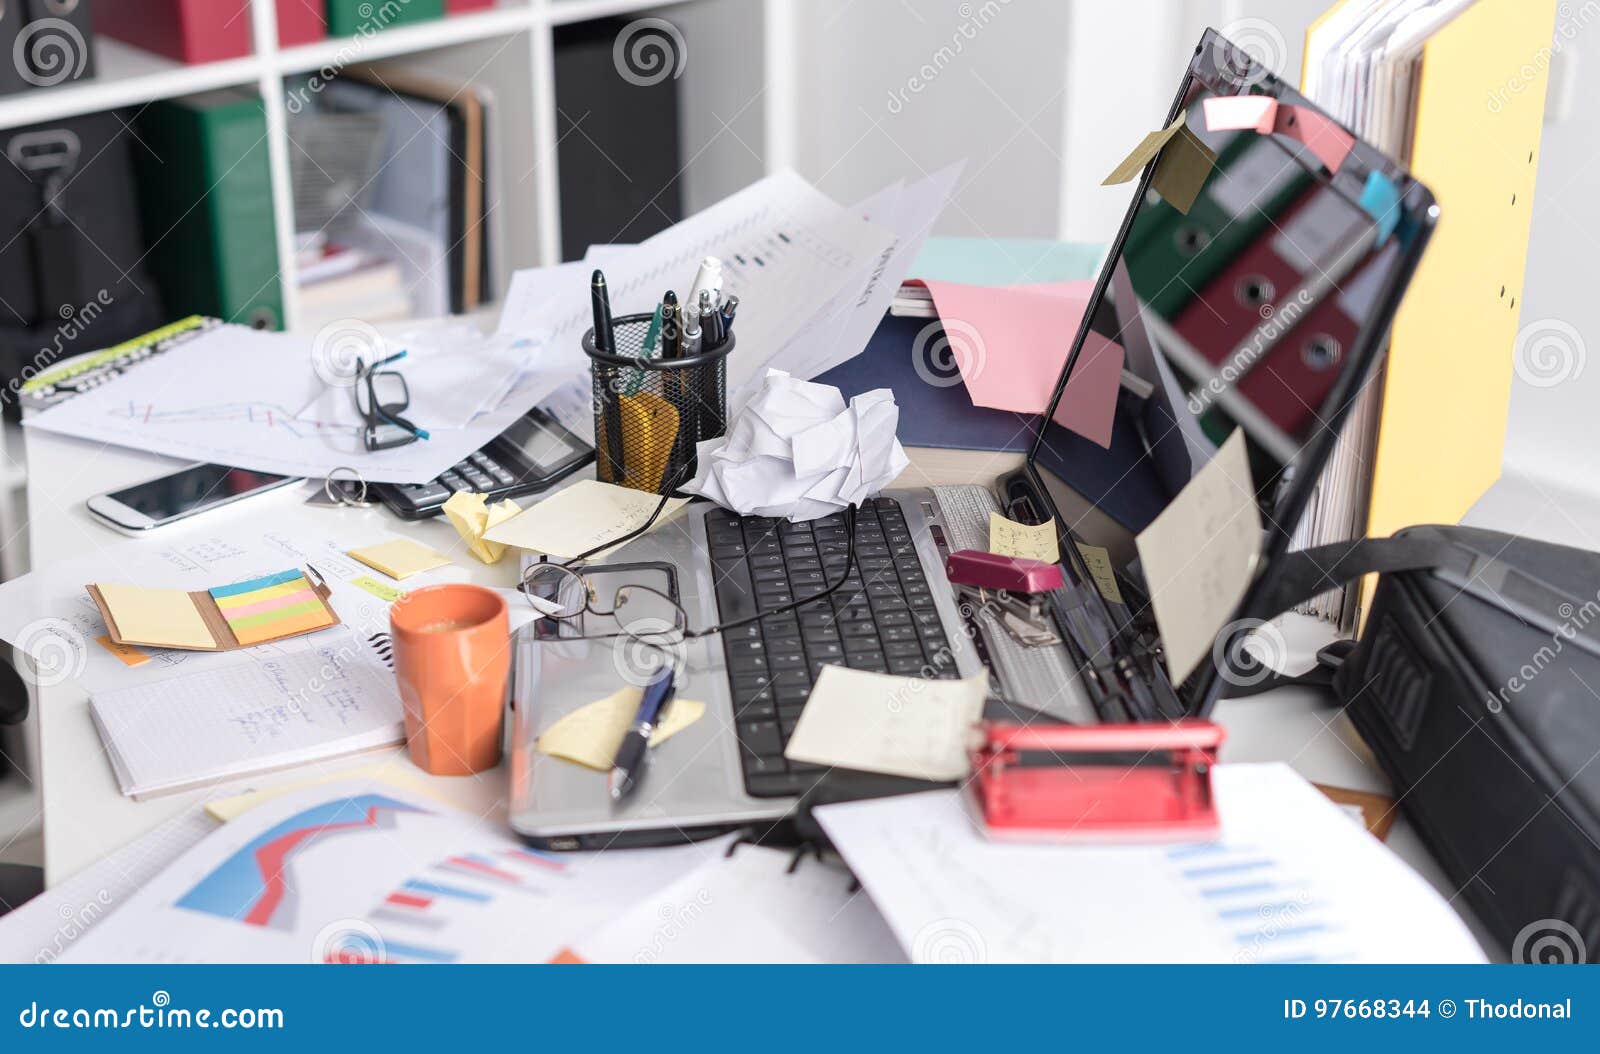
(205, 198)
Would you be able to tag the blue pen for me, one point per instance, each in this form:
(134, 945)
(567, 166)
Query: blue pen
(635, 745)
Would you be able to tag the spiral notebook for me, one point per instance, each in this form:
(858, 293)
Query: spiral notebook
(262, 713)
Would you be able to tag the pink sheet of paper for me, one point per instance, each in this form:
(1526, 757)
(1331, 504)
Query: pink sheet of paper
(1011, 341)
(1323, 137)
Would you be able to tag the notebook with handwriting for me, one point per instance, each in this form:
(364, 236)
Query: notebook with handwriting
(250, 716)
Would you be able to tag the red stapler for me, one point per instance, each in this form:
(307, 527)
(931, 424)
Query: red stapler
(1143, 782)
(1014, 574)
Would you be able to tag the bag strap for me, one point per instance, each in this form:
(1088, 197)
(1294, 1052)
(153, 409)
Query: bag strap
(1305, 573)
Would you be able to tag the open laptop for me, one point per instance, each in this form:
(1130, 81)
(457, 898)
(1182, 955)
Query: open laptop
(1261, 307)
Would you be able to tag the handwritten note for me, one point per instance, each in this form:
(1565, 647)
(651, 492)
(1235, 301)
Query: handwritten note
(875, 722)
(1033, 542)
(1102, 570)
(591, 734)
(1199, 555)
(584, 515)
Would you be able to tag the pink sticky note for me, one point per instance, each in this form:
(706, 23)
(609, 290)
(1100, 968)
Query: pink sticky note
(1321, 136)
(1010, 343)
(1227, 113)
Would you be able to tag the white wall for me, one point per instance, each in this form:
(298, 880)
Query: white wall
(1043, 97)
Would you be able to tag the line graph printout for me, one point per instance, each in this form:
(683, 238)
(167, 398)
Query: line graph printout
(360, 871)
(238, 396)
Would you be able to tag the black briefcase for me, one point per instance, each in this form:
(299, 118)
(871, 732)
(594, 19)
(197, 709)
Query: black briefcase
(1476, 683)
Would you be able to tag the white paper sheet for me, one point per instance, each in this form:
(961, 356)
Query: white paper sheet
(44, 928)
(1290, 880)
(748, 908)
(232, 396)
(467, 891)
(787, 250)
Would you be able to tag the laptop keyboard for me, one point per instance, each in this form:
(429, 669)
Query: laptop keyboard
(883, 619)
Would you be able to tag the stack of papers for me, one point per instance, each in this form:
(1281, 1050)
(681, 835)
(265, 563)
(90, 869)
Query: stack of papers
(798, 451)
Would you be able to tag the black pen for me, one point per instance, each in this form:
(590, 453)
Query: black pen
(601, 302)
(635, 745)
(729, 308)
(671, 327)
(710, 321)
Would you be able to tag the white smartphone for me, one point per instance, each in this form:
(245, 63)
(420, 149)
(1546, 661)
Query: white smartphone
(178, 495)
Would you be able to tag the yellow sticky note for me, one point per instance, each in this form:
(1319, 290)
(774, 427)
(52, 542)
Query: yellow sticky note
(400, 558)
(129, 655)
(584, 515)
(386, 593)
(396, 771)
(1102, 570)
(1181, 174)
(470, 515)
(159, 618)
(1199, 555)
(1148, 148)
(1010, 538)
(591, 734)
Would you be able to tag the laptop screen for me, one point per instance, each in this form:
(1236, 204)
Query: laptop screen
(1259, 306)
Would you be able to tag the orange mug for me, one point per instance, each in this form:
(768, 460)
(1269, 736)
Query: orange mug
(452, 656)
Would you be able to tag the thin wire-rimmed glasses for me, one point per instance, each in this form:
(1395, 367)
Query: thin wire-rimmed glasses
(381, 397)
(562, 593)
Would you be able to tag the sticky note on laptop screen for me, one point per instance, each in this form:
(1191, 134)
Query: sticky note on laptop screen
(270, 607)
(160, 618)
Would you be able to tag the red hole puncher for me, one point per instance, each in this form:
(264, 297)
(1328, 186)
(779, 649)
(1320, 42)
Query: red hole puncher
(1067, 783)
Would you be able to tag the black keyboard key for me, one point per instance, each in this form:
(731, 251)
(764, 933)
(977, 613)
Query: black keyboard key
(761, 708)
(775, 786)
(905, 667)
(761, 738)
(889, 634)
(901, 649)
(833, 652)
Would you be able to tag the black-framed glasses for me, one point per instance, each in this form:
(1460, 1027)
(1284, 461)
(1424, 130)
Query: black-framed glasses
(381, 398)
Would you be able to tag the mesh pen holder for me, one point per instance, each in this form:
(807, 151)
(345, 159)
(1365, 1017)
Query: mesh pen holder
(650, 413)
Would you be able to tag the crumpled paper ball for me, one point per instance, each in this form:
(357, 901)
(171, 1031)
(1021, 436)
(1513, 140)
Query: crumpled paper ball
(798, 451)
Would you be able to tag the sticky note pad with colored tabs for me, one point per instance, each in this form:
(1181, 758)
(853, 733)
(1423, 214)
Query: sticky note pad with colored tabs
(400, 558)
(273, 606)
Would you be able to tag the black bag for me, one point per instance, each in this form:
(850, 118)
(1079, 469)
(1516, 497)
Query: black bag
(1476, 683)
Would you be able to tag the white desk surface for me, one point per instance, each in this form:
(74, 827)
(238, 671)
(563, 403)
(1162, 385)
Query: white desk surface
(86, 816)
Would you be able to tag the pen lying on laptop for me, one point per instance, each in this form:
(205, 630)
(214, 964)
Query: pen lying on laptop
(635, 745)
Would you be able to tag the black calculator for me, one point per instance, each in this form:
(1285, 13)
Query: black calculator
(524, 459)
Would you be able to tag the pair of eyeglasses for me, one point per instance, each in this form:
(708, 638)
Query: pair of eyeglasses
(562, 593)
(381, 398)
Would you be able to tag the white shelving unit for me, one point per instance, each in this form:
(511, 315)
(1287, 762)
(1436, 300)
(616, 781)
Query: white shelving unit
(509, 49)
